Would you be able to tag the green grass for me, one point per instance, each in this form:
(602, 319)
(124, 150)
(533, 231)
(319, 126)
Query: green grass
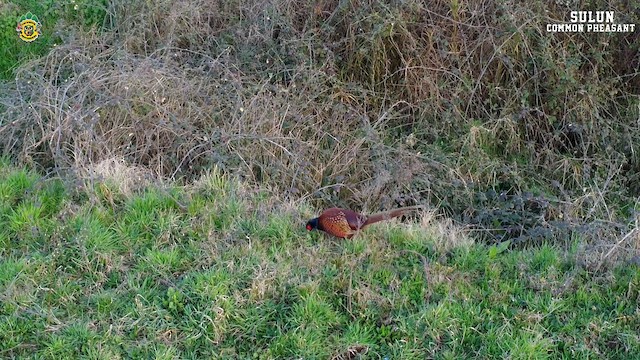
(228, 276)
(84, 15)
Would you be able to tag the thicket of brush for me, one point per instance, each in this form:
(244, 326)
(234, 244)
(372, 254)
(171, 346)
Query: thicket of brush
(471, 107)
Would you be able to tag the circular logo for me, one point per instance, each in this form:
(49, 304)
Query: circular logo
(28, 27)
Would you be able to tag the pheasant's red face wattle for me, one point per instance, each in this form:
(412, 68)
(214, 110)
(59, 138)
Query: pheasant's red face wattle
(309, 228)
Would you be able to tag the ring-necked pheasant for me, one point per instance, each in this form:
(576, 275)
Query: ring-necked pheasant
(345, 223)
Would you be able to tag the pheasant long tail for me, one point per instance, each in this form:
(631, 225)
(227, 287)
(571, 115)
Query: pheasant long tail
(390, 214)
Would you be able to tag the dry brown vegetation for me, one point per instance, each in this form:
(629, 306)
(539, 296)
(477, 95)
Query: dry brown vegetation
(469, 106)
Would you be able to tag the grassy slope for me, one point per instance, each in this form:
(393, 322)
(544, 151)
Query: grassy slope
(233, 274)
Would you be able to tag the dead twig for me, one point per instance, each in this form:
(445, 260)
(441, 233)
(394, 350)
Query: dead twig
(614, 247)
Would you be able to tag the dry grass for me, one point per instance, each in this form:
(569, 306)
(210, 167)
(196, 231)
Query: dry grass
(360, 104)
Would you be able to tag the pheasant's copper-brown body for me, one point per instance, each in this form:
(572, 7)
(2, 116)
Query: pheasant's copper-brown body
(345, 223)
